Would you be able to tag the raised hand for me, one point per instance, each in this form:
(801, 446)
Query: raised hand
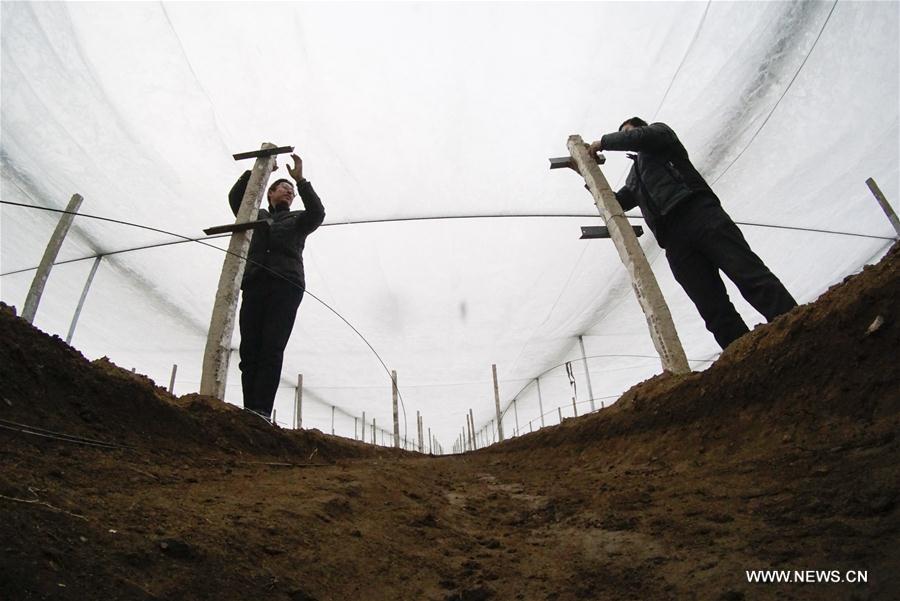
(297, 170)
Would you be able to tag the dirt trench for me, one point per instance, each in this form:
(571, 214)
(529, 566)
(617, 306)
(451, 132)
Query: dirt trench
(783, 455)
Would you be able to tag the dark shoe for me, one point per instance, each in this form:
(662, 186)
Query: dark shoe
(267, 418)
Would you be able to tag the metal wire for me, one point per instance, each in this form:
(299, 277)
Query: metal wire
(44, 433)
(118, 252)
(185, 239)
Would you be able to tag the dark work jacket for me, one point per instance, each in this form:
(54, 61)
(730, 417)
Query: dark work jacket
(662, 176)
(279, 246)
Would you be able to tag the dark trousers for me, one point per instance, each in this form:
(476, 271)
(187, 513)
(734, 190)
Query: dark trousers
(701, 240)
(268, 309)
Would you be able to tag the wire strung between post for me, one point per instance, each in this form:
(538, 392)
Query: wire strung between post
(185, 239)
(406, 219)
(240, 256)
(118, 252)
(45, 433)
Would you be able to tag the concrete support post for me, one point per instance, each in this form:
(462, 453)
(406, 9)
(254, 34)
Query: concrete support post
(659, 319)
(885, 205)
(472, 425)
(430, 443)
(516, 413)
(497, 402)
(221, 324)
(587, 373)
(540, 401)
(298, 403)
(172, 379)
(84, 293)
(421, 434)
(43, 271)
(559, 409)
(395, 393)
(332, 420)
(355, 431)
(374, 439)
(419, 429)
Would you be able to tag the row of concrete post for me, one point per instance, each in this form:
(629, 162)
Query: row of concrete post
(50, 254)
(218, 346)
(467, 441)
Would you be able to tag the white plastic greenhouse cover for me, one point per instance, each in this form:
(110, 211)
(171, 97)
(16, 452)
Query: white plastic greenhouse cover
(406, 110)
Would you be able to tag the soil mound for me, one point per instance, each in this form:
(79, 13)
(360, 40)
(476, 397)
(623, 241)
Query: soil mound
(834, 359)
(50, 386)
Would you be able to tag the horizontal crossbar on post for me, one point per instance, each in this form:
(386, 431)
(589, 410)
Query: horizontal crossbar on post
(266, 152)
(563, 162)
(237, 227)
(590, 232)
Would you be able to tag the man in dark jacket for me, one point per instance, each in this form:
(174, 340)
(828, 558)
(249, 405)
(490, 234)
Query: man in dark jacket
(273, 283)
(688, 221)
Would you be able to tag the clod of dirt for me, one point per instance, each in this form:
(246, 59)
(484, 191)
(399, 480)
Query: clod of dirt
(177, 549)
(480, 593)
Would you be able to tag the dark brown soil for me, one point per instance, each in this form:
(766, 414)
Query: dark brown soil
(783, 455)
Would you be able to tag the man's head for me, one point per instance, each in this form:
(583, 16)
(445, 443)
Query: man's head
(281, 192)
(632, 123)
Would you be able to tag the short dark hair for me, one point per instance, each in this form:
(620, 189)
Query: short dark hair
(278, 181)
(633, 122)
